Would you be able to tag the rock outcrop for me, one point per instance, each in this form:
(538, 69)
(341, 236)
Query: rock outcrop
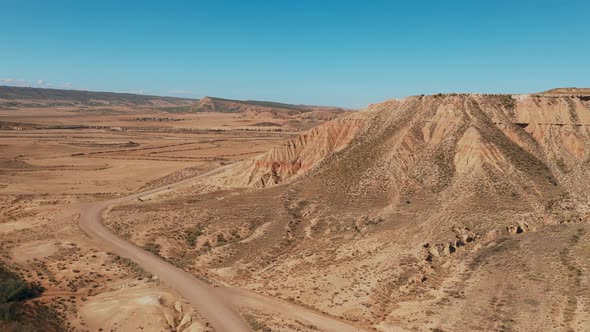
(435, 140)
(296, 157)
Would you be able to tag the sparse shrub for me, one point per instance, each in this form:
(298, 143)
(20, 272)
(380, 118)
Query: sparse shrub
(18, 315)
(13, 288)
(154, 248)
(135, 268)
(220, 239)
(192, 234)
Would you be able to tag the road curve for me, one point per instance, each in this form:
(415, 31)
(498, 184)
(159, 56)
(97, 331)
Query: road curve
(213, 307)
(214, 304)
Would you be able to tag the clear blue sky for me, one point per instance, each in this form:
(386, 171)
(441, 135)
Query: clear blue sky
(345, 53)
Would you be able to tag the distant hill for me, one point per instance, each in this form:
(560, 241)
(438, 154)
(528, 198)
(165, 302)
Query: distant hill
(24, 97)
(568, 91)
(253, 107)
(14, 97)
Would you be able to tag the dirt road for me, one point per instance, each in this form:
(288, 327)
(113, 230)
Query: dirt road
(217, 305)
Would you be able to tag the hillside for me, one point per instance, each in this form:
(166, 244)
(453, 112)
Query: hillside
(456, 212)
(266, 108)
(11, 97)
(269, 115)
(523, 111)
(569, 91)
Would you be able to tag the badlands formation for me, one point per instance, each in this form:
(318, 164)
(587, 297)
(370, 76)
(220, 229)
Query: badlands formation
(60, 150)
(449, 212)
(296, 116)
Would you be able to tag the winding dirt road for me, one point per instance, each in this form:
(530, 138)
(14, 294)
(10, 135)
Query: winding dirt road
(217, 305)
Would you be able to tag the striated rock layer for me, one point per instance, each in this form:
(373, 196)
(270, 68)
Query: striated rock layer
(297, 156)
(481, 131)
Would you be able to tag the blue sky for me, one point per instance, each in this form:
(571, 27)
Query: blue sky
(344, 53)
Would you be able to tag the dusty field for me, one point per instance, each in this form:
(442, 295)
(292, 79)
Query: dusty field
(52, 160)
(123, 154)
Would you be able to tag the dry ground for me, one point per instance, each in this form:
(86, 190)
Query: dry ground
(53, 159)
(432, 213)
(445, 213)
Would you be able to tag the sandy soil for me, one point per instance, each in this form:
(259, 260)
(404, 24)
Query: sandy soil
(214, 305)
(46, 172)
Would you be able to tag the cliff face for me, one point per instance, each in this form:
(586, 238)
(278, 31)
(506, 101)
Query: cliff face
(296, 157)
(437, 140)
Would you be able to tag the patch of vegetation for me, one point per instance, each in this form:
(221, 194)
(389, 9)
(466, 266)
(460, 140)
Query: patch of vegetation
(261, 103)
(561, 164)
(266, 124)
(502, 246)
(221, 239)
(154, 248)
(14, 289)
(507, 101)
(176, 109)
(192, 234)
(17, 314)
(255, 324)
(206, 246)
(135, 268)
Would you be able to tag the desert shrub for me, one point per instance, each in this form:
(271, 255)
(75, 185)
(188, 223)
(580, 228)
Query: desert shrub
(221, 239)
(14, 289)
(133, 267)
(153, 248)
(32, 317)
(192, 235)
(17, 314)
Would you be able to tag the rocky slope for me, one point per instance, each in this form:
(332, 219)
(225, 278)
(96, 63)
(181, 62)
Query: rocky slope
(485, 131)
(296, 157)
(458, 212)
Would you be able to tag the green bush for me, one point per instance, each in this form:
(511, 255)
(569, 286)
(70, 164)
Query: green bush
(192, 234)
(14, 289)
